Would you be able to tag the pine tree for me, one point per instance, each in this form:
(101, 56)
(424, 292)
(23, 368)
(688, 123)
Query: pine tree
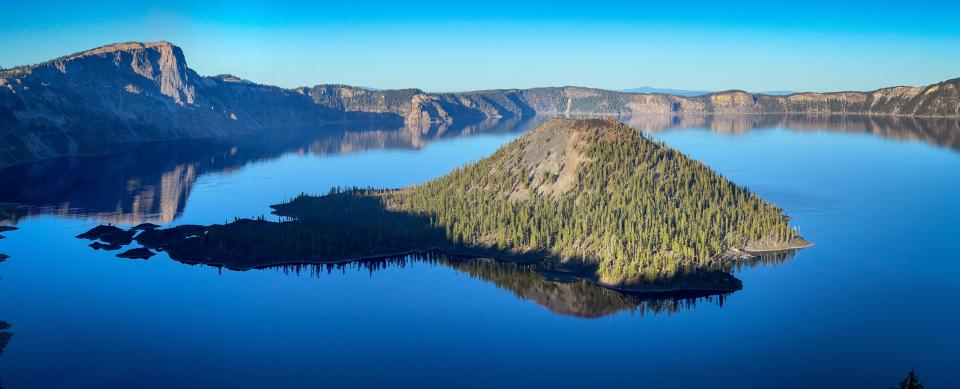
(911, 382)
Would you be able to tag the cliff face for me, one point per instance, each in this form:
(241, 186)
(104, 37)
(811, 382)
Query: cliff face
(412, 105)
(94, 101)
(940, 100)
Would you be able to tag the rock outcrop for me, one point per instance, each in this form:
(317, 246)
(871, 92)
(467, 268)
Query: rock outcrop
(95, 101)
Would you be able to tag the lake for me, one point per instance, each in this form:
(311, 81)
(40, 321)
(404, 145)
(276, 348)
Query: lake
(873, 298)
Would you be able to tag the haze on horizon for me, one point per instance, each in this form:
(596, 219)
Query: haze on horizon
(448, 46)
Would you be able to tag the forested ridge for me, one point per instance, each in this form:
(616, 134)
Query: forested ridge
(637, 208)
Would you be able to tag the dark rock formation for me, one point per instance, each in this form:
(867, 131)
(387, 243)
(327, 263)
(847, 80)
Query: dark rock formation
(158, 238)
(137, 253)
(99, 231)
(5, 335)
(121, 238)
(107, 247)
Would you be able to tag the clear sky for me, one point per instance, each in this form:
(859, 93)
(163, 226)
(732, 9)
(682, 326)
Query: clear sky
(464, 45)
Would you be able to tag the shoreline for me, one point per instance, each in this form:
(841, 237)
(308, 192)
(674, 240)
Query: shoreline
(655, 288)
(794, 244)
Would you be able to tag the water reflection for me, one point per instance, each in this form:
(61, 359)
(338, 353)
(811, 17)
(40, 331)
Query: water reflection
(562, 293)
(5, 336)
(941, 132)
(151, 182)
(565, 288)
(555, 291)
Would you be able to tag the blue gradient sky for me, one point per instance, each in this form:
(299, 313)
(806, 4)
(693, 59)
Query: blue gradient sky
(448, 45)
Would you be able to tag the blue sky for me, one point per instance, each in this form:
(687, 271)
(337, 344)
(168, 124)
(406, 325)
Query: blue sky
(452, 45)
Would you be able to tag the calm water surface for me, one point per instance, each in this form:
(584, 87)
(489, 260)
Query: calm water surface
(875, 296)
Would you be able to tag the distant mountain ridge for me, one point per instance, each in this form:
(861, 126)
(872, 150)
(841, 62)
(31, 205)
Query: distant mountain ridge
(667, 91)
(128, 92)
(692, 93)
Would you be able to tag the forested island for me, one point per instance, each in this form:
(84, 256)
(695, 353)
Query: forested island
(595, 198)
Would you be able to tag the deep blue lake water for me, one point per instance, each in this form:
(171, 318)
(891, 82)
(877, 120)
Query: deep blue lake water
(876, 296)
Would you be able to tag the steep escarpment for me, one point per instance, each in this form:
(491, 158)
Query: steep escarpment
(94, 101)
(939, 100)
(417, 106)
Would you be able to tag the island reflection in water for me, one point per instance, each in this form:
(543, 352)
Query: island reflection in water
(151, 182)
(561, 293)
(555, 291)
(561, 287)
(558, 293)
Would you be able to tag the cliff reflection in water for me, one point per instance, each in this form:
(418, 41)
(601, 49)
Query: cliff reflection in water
(941, 132)
(150, 182)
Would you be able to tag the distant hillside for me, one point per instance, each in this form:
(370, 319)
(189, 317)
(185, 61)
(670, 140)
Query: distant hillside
(91, 102)
(607, 203)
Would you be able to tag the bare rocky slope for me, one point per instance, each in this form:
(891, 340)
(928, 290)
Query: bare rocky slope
(94, 101)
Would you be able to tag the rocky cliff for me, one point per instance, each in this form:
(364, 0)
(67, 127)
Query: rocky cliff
(97, 100)
(939, 100)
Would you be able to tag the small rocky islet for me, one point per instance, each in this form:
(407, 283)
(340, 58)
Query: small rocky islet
(4, 257)
(113, 238)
